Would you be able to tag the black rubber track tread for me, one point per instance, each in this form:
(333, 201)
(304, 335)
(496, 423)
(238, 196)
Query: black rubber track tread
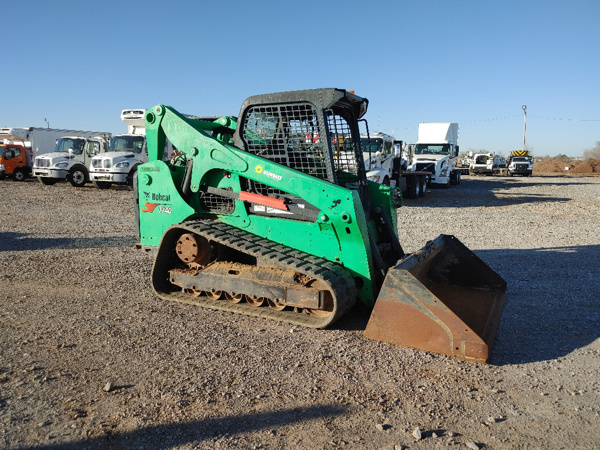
(268, 254)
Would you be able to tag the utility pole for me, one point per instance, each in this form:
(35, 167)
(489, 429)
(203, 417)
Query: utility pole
(524, 124)
(47, 123)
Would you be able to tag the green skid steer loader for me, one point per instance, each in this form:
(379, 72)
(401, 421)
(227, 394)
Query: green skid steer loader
(270, 214)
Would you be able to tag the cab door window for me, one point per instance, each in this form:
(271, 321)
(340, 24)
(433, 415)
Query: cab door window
(12, 152)
(93, 148)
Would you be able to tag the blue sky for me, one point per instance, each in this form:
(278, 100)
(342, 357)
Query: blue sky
(475, 62)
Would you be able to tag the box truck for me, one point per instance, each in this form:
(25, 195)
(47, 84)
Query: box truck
(23, 144)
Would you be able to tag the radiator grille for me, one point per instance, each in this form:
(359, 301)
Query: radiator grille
(42, 162)
(426, 167)
(216, 204)
(99, 163)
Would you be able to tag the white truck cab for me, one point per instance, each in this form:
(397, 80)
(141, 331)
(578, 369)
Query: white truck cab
(378, 154)
(436, 151)
(70, 159)
(125, 153)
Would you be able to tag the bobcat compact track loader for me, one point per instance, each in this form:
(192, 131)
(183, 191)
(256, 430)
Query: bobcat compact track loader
(270, 215)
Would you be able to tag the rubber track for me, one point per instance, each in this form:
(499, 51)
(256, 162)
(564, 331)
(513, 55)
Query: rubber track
(268, 254)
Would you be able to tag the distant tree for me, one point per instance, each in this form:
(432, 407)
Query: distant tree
(593, 153)
(562, 157)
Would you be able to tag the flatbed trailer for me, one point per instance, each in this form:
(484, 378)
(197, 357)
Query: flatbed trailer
(413, 184)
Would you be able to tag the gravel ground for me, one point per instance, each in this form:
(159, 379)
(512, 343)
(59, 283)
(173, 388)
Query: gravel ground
(90, 358)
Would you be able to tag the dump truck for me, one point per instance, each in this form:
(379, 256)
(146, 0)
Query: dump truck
(125, 153)
(71, 158)
(253, 218)
(28, 143)
(436, 151)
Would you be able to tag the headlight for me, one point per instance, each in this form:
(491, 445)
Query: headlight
(62, 165)
(444, 172)
(374, 178)
(1, 166)
(122, 164)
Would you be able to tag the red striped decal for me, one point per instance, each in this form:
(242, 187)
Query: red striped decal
(263, 200)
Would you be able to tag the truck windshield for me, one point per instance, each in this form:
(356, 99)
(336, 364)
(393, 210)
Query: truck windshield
(127, 144)
(64, 144)
(373, 144)
(432, 149)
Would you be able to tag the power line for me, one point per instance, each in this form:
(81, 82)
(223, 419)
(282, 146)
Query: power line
(491, 119)
(571, 120)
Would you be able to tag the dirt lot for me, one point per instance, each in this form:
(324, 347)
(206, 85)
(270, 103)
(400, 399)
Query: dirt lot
(90, 358)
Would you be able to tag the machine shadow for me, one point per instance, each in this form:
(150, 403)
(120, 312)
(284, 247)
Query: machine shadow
(21, 242)
(543, 321)
(482, 191)
(178, 434)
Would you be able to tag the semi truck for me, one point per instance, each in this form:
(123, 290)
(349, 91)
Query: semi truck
(23, 144)
(71, 158)
(436, 151)
(385, 165)
(125, 153)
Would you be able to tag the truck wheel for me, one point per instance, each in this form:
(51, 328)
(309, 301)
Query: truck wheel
(47, 181)
(423, 182)
(19, 175)
(130, 178)
(414, 188)
(102, 184)
(77, 177)
(386, 181)
(458, 177)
